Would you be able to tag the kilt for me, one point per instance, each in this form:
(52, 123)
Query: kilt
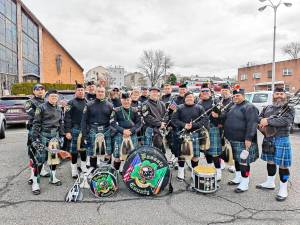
(196, 144)
(118, 141)
(92, 138)
(75, 133)
(148, 138)
(215, 148)
(42, 156)
(238, 147)
(283, 152)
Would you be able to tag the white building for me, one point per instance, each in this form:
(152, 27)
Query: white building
(97, 73)
(116, 76)
(136, 79)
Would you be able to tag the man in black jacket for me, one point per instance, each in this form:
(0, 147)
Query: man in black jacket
(144, 95)
(276, 150)
(184, 118)
(241, 130)
(91, 88)
(155, 117)
(95, 127)
(127, 122)
(72, 124)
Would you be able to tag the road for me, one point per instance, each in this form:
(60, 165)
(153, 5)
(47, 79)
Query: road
(19, 206)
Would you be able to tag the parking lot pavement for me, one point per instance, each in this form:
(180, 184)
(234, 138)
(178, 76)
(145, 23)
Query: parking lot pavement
(19, 206)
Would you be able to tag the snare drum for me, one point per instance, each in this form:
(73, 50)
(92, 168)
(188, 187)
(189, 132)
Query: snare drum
(205, 179)
(104, 181)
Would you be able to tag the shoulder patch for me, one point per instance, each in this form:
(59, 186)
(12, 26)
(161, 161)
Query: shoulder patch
(85, 108)
(38, 111)
(27, 105)
(68, 108)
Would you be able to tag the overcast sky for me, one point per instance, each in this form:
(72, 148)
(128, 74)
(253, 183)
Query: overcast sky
(205, 37)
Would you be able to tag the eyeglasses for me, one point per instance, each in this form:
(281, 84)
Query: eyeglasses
(205, 91)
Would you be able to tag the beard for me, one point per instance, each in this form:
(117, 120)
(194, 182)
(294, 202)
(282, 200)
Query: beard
(279, 101)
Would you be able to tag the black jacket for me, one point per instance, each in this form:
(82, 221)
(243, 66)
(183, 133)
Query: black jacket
(241, 122)
(73, 113)
(153, 113)
(30, 107)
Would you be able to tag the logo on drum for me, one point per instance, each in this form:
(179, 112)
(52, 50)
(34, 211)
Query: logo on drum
(146, 172)
(103, 185)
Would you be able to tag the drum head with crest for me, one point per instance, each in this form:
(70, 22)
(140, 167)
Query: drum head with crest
(146, 171)
(104, 181)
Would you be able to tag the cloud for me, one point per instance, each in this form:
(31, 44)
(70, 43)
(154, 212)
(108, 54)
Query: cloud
(203, 37)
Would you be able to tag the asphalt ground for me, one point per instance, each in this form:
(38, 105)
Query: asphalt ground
(19, 206)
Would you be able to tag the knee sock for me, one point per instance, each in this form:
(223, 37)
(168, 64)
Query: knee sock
(217, 162)
(237, 166)
(209, 158)
(74, 157)
(117, 165)
(181, 162)
(245, 170)
(284, 174)
(271, 169)
(82, 155)
(194, 163)
(93, 162)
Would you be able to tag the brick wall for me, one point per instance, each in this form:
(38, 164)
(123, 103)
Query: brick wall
(292, 81)
(50, 50)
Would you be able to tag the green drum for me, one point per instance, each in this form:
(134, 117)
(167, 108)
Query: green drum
(146, 171)
(104, 182)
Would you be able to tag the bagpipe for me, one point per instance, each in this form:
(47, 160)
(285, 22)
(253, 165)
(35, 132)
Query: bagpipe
(270, 131)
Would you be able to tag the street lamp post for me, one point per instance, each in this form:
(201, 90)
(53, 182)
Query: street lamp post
(275, 7)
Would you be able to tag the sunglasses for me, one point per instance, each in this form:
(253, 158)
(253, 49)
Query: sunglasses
(205, 91)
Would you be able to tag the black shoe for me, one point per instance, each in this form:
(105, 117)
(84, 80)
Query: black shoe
(36, 192)
(237, 190)
(30, 181)
(280, 198)
(232, 183)
(179, 179)
(259, 186)
(58, 183)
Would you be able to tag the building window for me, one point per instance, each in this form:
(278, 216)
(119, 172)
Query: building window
(256, 75)
(244, 77)
(287, 72)
(287, 87)
(270, 74)
(30, 46)
(8, 37)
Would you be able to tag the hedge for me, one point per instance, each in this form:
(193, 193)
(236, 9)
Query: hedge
(26, 88)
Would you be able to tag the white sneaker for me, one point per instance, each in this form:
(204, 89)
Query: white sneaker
(237, 179)
(35, 187)
(180, 176)
(219, 174)
(268, 184)
(83, 166)
(74, 170)
(283, 192)
(243, 186)
(88, 164)
(44, 172)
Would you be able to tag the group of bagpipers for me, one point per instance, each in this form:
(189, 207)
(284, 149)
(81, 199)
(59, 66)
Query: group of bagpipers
(148, 117)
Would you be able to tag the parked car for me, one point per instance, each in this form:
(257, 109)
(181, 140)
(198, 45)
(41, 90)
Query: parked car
(260, 99)
(2, 126)
(64, 96)
(13, 109)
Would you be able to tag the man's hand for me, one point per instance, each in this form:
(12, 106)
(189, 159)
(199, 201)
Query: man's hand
(162, 125)
(264, 122)
(248, 144)
(214, 114)
(126, 133)
(188, 126)
(69, 136)
(172, 107)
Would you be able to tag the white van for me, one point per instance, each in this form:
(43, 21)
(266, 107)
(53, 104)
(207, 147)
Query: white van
(260, 99)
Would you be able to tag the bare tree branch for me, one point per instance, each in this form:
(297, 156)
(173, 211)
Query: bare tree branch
(153, 64)
(292, 49)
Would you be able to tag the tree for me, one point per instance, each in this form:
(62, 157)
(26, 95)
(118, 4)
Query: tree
(154, 64)
(172, 79)
(292, 49)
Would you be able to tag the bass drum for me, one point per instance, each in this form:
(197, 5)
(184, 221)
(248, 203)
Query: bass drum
(104, 182)
(146, 171)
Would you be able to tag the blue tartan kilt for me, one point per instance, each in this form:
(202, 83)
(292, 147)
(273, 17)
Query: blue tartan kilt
(283, 152)
(42, 156)
(196, 144)
(215, 148)
(75, 133)
(92, 138)
(238, 147)
(118, 141)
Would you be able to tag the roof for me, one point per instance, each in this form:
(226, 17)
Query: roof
(36, 20)
(264, 64)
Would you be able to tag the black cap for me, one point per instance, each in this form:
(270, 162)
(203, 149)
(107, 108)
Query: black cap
(90, 83)
(154, 89)
(225, 86)
(79, 86)
(188, 93)
(52, 91)
(144, 89)
(204, 85)
(115, 89)
(279, 89)
(125, 95)
(38, 86)
(184, 85)
(238, 90)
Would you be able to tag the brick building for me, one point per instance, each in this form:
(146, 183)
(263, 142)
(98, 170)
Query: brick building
(29, 52)
(259, 77)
